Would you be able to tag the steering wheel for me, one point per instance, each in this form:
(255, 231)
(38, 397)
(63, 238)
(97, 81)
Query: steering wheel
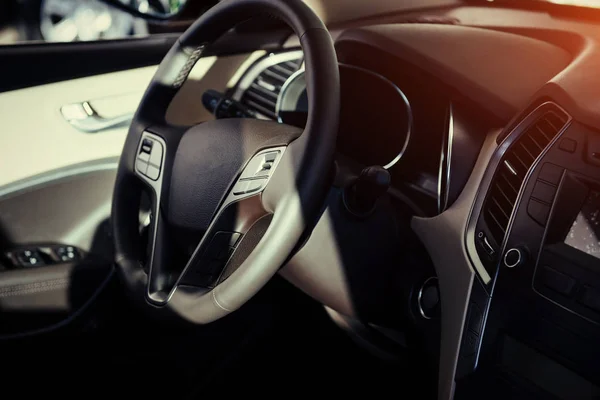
(250, 187)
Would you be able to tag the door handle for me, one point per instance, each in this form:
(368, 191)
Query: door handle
(84, 117)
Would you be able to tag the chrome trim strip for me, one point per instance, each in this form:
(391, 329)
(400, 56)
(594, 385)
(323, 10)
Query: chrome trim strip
(445, 163)
(258, 67)
(59, 174)
(493, 165)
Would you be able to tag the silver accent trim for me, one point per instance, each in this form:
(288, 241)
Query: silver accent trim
(156, 186)
(510, 167)
(284, 89)
(409, 112)
(445, 163)
(56, 175)
(486, 181)
(83, 117)
(488, 244)
(519, 259)
(258, 67)
(420, 295)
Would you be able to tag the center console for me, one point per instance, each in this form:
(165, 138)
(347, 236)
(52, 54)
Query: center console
(533, 324)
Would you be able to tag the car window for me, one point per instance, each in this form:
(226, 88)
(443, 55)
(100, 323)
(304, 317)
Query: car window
(73, 20)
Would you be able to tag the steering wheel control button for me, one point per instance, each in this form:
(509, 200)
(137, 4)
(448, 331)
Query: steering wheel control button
(240, 188)
(214, 259)
(141, 166)
(144, 156)
(147, 145)
(156, 154)
(255, 185)
(152, 172)
(149, 158)
(514, 257)
(220, 244)
(261, 165)
(271, 157)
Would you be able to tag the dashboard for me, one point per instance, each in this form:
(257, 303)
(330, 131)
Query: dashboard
(495, 185)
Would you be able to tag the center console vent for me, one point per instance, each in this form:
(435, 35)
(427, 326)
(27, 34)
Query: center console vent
(515, 165)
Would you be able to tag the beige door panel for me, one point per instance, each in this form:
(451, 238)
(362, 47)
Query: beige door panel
(55, 180)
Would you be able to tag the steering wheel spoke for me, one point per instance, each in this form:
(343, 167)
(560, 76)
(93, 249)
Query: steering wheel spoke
(227, 241)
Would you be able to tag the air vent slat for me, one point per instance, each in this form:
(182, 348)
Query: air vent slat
(262, 90)
(500, 225)
(516, 164)
(531, 156)
(279, 78)
(260, 99)
(539, 147)
(263, 110)
(282, 70)
(498, 206)
(510, 201)
(510, 184)
(547, 136)
(292, 65)
(523, 167)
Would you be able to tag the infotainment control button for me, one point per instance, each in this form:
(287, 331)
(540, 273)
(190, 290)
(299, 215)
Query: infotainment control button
(538, 211)
(551, 173)
(514, 257)
(557, 281)
(544, 192)
(568, 145)
(591, 298)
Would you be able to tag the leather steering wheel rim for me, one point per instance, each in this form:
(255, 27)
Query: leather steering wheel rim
(295, 191)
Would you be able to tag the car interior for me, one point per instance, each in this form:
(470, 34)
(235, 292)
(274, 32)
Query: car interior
(300, 197)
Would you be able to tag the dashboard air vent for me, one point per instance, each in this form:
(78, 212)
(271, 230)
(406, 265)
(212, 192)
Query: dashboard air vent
(515, 165)
(261, 96)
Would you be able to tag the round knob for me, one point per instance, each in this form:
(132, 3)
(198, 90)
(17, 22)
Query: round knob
(362, 195)
(515, 257)
(428, 299)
